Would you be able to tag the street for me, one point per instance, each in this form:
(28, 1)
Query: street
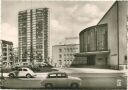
(108, 80)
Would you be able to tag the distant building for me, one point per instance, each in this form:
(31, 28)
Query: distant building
(71, 40)
(6, 49)
(63, 55)
(105, 44)
(33, 36)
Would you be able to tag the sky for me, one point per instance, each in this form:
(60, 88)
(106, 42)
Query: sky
(67, 18)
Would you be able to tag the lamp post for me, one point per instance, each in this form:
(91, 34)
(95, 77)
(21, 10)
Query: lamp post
(126, 61)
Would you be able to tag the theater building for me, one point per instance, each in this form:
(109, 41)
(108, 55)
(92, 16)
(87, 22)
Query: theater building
(105, 44)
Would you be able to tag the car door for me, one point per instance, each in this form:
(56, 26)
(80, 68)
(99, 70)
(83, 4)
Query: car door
(62, 80)
(24, 72)
(52, 79)
(20, 73)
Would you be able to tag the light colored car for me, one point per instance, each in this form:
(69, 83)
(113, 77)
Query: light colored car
(22, 72)
(60, 79)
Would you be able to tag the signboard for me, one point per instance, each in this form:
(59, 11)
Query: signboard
(119, 82)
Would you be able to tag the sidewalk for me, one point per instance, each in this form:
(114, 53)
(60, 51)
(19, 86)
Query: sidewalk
(80, 70)
(90, 70)
(38, 74)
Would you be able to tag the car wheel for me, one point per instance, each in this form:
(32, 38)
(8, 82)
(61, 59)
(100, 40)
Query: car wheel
(74, 85)
(28, 76)
(48, 85)
(11, 75)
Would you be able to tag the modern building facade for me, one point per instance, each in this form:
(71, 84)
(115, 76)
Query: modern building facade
(105, 44)
(33, 36)
(63, 55)
(6, 49)
(116, 18)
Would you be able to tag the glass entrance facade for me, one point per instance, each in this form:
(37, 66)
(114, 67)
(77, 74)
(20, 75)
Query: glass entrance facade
(94, 39)
(94, 44)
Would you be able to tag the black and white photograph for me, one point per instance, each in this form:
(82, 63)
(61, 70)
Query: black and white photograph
(64, 44)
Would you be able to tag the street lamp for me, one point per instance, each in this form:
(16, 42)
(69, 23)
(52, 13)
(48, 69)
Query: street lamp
(125, 61)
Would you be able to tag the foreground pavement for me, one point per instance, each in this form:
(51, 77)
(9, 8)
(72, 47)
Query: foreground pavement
(92, 79)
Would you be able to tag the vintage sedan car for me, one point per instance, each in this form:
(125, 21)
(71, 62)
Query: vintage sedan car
(60, 79)
(22, 72)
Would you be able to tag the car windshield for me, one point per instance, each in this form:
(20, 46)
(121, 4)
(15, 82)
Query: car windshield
(64, 75)
(25, 70)
(61, 75)
(52, 76)
(19, 69)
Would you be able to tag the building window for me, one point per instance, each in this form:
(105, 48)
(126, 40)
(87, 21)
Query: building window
(60, 56)
(71, 49)
(68, 49)
(24, 60)
(25, 63)
(4, 49)
(10, 49)
(60, 62)
(65, 49)
(60, 50)
(4, 63)
(4, 45)
(4, 54)
(65, 55)
(5, 58)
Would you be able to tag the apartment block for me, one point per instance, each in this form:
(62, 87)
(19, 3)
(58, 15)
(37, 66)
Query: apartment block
(33, 27)
(6, 50)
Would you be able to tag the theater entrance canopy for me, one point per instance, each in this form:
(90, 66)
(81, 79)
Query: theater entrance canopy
(92, 53)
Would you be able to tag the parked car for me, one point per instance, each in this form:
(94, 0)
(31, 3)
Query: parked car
(60, 79)
(22, 72)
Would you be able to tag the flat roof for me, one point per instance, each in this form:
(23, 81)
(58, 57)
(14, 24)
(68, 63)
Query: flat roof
(66, 45)
(91, 27)
(92, 53)
(7, 42)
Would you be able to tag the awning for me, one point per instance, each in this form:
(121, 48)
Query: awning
(92, 53)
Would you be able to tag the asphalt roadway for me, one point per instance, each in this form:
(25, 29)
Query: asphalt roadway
(92, 79)
(89, 80)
